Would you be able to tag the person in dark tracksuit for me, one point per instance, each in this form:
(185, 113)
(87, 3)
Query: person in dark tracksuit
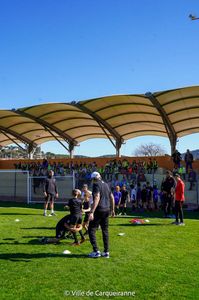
(61, 228)
(103, 200)
(71, 223)
(50, 193)
(168, 189)
(64, 225)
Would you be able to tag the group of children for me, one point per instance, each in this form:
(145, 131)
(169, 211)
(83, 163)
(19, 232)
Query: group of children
(145, 197)
(79, 204)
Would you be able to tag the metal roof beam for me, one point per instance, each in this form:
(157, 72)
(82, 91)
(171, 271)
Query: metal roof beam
(20, 137)
(46, 125)
(119, 140)
(56, 138)
(168, 125)
(14, 142)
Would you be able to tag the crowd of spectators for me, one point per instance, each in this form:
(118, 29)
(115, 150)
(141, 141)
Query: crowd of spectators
(186, 172)
(113, 171)
(118, 174)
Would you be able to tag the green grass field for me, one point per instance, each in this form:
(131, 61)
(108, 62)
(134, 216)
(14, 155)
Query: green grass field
(155, 261)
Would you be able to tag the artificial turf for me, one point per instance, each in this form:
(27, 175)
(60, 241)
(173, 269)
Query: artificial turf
(156, 260)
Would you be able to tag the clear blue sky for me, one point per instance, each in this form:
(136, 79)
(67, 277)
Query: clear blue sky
(65, 50)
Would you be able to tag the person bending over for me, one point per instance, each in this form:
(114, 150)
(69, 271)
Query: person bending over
(64, 225)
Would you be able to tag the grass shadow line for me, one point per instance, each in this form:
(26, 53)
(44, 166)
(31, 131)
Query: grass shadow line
(27, 257)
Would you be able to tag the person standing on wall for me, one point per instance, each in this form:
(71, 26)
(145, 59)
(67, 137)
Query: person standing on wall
(176, 159)
(188, 160)
(103, 200)
(50, 192)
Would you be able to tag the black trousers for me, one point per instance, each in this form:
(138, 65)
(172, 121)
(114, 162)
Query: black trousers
(60, 228)
(178, 211)
(167, 204)
(50, 197)
(100, 218)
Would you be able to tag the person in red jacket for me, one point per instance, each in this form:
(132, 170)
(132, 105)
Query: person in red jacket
(179, 200)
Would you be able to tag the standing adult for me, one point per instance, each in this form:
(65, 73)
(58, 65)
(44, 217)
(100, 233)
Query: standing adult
(168, 188)
(188, 160)
(179, 200)
(125, 197)
(176, 159)
(103, 200)
(50, 193)
(192, 179)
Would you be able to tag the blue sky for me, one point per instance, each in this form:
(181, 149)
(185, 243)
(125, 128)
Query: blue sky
(65, 50)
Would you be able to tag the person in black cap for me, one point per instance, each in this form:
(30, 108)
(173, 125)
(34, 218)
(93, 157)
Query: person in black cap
(103, 200)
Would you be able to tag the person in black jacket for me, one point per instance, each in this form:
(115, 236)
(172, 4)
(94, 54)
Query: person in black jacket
(103, 201)
(63, 226)
(188, 160)
(168, 189)
(71, 223)
(50, 193)
(176, 159)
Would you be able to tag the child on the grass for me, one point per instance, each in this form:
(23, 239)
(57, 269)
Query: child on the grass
(64, 225)
(71, 222)
(75, 207)
(155, 197)
(133, 196)
(138, 196)
(144, 197)
(125, 197)
(117, 199)
(86, 209)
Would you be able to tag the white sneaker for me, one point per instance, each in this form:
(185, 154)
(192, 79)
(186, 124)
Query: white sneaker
(45, 214)
(94, 254)
(175, 223)
(181, 224)
(105, 254)
(52, 214)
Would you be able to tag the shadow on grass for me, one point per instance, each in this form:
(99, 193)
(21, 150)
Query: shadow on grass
(142, 225)
(37, 241)
(59, 206)
(19, 214)
(32, 236)
(32, 242)
(43, 228)
(194, 214)
(26, 257)
(158, 215)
